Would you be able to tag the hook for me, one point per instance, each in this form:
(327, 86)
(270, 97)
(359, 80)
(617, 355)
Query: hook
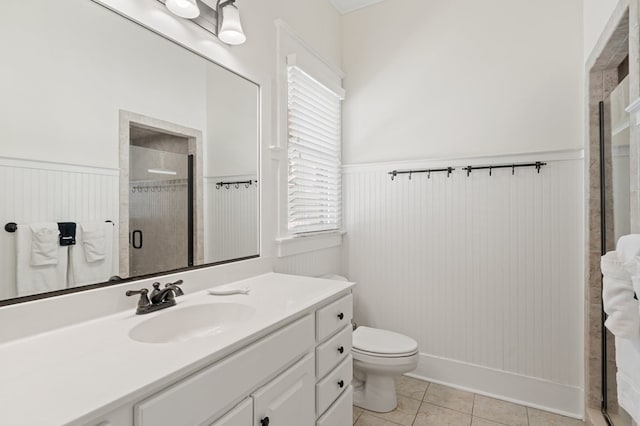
(468, 169)
(394, 174)
(227, 186)
(217, 186)
(237, 185)
(246, 185)
(449, 170)
(410, 174)
(538, 166)
(490, 169)
(428, 174)
(513, 169)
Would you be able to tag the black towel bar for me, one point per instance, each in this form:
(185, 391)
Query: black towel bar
(13, 227)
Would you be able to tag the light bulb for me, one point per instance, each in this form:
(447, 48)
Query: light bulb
(183, 8)
(231, 28)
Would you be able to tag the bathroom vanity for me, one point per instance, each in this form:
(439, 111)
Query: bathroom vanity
(280, 355)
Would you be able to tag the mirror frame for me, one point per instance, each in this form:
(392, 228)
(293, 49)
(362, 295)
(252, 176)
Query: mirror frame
(62, 292)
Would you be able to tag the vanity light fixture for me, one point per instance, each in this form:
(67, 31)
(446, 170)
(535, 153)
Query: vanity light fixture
(219, 17)
(183, 8)
(229, 25)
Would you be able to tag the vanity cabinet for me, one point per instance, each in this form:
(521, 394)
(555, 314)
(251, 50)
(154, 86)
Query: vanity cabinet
(334, 364)
(299, 375)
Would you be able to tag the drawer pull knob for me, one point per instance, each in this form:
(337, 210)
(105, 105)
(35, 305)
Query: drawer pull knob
(265, 421)
(341, 384)
(340, 315)
(341, 349)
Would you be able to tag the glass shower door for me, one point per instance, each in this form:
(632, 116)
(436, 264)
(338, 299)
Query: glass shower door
(158, 211)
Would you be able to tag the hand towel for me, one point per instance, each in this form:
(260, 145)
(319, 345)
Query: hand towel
(91, 259)
(94, 241)
(67, 233)
(617, 295)
(628, 247)
(31, 279)
(44, 244)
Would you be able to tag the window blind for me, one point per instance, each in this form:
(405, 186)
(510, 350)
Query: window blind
(314, 146)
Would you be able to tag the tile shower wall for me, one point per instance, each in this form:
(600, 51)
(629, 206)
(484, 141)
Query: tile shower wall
(483, 271)
(57, 192)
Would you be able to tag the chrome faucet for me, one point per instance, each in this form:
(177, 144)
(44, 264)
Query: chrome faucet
(159, 299)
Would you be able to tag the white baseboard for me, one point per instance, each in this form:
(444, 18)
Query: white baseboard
(532, 392)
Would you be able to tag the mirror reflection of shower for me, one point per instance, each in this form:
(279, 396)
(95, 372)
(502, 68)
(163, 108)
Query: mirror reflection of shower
(159, 212)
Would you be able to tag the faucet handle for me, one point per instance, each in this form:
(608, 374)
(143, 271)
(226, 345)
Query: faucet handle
(174, 286)
(144, 299)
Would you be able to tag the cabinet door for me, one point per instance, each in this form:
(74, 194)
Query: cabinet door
(241, 415)
(289, 399)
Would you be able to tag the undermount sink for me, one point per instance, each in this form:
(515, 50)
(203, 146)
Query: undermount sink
(181, 324)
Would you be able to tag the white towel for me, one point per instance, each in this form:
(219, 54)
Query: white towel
(91, 259)
(628, 247)
(45, 275)
(44, 244)
(617, 295)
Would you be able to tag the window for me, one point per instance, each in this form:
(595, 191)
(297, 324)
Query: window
(314, 146)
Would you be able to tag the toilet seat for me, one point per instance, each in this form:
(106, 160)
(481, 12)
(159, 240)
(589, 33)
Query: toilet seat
(382, 343)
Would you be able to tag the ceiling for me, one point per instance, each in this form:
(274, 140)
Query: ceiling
(346, 6)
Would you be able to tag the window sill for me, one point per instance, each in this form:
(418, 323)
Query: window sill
(289, 246)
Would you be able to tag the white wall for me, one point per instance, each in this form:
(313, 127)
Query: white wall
(596, 13)
(57, 108)
(443, 78)
(485, 272)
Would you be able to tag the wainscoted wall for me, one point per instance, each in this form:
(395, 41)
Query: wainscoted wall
(231, 219)
(57, 192)
(485, 272)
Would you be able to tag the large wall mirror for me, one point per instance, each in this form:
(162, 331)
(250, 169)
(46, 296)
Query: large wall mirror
(122, 154)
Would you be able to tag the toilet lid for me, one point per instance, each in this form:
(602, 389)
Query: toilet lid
(376, 341)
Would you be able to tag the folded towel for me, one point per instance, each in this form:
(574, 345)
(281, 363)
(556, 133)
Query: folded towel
(91, 259)
(94, 241)
(31, 279)
(44, 244)
(617, 295)
(67, 233)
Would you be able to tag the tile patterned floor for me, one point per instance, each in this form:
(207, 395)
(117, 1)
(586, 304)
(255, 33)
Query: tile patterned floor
(425, 404)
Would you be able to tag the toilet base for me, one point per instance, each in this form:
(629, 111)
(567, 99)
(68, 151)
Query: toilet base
(374, 392)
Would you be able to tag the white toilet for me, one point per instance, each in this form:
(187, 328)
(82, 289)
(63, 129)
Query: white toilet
(378, 357)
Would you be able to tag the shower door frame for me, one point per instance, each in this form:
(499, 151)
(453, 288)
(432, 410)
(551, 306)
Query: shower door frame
(196, 203)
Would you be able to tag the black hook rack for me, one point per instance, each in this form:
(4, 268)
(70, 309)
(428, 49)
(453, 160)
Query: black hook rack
(538, 165)
(13, 227)
(246, 183)
(395, 173)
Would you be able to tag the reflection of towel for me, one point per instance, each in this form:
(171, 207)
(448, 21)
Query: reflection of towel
(30, 278)
(67, 233)
(617, 295)
(92, 257)
(44, 244)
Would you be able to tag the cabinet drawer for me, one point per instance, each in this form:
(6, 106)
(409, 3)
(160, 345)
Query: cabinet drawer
(333, 317)
(288, 399)
(340, 413)
(328, 389)
(206, 393)
(334, 350)
(241, 415)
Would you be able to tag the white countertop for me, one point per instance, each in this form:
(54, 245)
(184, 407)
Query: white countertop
(76, 373)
